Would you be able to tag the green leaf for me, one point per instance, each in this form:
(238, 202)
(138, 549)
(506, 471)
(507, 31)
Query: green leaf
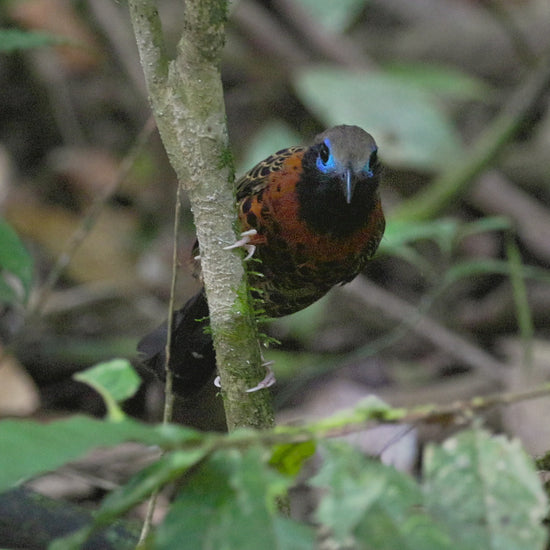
(230, 503)
(445, 231)
(167, 468)
(16, 266)
(372, 505)
(290, 457)
(400, 233)
(483, 225)
(72, 541)
(15, 39)
(343, 475)
(489, 266)
(292, 535)
(334, 16)
(443, 81)
(407, 122)
(486, 491)
(30, 448)
(114, 380)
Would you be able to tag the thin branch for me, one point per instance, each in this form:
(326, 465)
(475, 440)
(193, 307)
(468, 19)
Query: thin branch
(89, 221)
(168, 381)
(150, 41)
(461, 409)
(169, 394)
(371, 412)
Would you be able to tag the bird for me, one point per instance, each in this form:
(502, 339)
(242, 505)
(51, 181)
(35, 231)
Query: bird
(311, 217)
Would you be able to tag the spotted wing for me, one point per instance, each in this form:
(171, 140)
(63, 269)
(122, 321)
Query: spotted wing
(257, 178)
(255, 181)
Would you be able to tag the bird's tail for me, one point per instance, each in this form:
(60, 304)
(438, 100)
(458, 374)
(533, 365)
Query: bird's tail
(192, 357)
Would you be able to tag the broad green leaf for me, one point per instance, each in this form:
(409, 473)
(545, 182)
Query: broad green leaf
(290, 457)
(344, 475)
(167, 468)
(334, 16)
(274, 135)
(483, 225)
(30, 448)
(400, 233)
(373, 506)
(445, 231)
(485, 490)
(486, 266)
(230, 503)
(443, 81)
(292, 535)
(15, 262)
(407, 122)
(114, 380)
(15, 39)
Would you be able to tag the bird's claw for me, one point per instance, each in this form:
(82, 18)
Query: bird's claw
(244, 242)
(267, 382)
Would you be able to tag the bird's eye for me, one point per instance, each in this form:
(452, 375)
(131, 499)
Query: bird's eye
(371, 164)
(325, 160)
(373, 158)
(324, 153)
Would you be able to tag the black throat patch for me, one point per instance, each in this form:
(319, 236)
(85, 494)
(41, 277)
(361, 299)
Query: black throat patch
(323, 206)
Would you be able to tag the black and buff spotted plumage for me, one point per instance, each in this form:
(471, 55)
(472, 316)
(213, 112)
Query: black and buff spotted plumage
(317, 220)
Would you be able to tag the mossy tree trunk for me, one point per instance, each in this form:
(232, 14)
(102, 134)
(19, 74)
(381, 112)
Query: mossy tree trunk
(187, 99)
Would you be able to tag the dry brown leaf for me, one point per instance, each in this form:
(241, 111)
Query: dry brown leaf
(105, 254)
(18, 394)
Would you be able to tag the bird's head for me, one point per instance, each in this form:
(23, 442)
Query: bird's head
(345, 156)
(338, 186)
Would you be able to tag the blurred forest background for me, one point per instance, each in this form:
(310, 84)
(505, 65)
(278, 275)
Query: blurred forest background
(457, 301)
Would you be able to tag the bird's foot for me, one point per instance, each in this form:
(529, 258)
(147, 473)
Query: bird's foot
(244, 242)
(267, 382)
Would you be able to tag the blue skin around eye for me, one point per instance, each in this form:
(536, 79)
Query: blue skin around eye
(330, 164)
(368, 171)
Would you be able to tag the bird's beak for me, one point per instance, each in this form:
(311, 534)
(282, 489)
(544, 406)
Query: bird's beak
(348, 184)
